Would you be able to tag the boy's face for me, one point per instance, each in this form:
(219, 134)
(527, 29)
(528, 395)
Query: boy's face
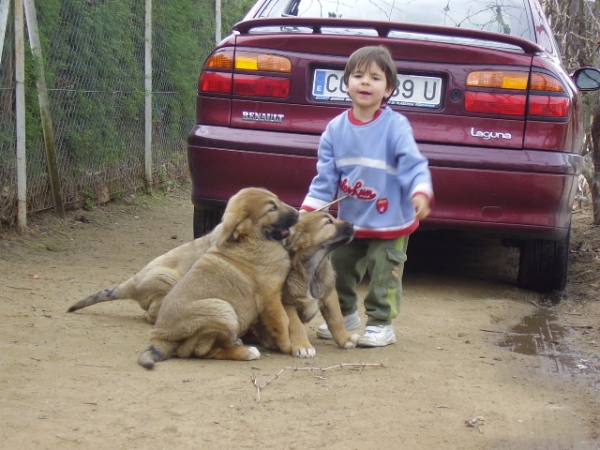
(367, 86)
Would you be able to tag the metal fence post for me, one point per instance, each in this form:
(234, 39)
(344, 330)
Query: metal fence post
(4, 8)
(148, 94)
(218, 21)
(20, 116)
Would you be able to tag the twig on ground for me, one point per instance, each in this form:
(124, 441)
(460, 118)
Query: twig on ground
(494, 331)
(258, 387)
(101, 366)
(510, 333)
(66, 439)
(337, 366)
(532, 302)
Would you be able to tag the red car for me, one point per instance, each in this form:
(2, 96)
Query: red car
(482, 83)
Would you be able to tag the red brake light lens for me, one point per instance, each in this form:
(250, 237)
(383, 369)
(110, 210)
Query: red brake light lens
(215, 82)
(546, 106)
(257, 86)
(508, 104)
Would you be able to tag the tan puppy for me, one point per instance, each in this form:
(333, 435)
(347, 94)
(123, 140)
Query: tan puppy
(150, 285)
(232, 286)
(310, 285)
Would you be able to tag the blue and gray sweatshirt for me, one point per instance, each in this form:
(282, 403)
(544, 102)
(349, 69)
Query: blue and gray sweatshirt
(380, 167)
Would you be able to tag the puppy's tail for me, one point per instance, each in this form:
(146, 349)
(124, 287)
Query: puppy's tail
(150, 357)
(106, 295)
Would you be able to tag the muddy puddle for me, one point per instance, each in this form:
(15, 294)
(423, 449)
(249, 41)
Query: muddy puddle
(540, 335)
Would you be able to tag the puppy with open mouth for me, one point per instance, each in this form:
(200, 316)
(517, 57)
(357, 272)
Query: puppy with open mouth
(233, 285)
(310, 284)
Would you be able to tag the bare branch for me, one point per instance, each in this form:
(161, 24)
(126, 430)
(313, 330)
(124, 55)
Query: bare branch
(259, 388)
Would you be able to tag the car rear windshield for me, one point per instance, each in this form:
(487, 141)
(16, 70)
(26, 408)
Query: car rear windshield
(499, 16)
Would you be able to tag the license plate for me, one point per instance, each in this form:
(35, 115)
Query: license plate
(412, 90)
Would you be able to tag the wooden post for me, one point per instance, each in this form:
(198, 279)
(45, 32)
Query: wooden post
(44, 101)
(20, 116)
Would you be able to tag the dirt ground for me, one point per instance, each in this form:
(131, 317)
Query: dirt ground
(479, 363)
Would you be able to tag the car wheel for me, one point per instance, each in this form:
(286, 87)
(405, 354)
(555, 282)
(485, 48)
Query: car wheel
(205, 220)
(544, 264)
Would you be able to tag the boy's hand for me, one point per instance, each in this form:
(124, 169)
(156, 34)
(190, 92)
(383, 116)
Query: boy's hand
(421, 204)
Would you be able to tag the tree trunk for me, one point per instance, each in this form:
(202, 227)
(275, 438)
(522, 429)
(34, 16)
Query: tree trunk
(595, 184)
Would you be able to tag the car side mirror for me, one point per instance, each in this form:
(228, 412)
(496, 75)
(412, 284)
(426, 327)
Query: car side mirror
(587, 79)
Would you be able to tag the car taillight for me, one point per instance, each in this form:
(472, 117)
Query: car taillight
(257, 86)
(497, 79)
(263, 62)
(225, 73)
(219, 83)
(546, 106)
(220, 60)
(481, 102)
(547, 95)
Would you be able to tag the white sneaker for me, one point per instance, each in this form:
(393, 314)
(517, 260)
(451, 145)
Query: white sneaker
(377, 336)
(351, 322)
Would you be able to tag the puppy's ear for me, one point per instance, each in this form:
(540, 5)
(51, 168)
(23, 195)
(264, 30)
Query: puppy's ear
(299, 238)
(230, 226)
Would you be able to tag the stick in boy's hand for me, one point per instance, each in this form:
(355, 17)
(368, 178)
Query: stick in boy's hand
(324, 207)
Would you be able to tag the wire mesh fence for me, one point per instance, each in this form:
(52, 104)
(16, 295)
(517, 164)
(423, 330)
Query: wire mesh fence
(93, 56)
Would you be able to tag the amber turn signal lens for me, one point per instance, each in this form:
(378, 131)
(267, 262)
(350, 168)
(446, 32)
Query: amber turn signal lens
(543, 82)
(263, 62)
(220, 60)
(498, 79)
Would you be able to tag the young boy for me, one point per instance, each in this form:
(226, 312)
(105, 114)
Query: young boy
(369, 153)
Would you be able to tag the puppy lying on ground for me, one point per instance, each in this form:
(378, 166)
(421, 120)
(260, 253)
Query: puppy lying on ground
(233, 285)
(150, 285)
(310, 284)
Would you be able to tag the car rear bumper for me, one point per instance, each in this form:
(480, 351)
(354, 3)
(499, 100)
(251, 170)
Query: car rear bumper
(511, 193)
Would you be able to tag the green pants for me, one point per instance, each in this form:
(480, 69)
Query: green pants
(383, 261)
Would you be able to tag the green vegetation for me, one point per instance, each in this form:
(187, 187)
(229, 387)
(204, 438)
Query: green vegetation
(93, 54)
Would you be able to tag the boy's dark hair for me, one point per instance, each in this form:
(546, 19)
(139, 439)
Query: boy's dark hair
(363, 57)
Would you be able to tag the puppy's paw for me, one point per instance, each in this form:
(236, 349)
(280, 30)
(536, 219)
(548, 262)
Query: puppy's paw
(352, 342)
(253, 353)
(308, 352)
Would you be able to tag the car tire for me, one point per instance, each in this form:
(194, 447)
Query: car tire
(544, 264)
(205, 220)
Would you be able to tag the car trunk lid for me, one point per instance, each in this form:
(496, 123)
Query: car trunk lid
(455, 85)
